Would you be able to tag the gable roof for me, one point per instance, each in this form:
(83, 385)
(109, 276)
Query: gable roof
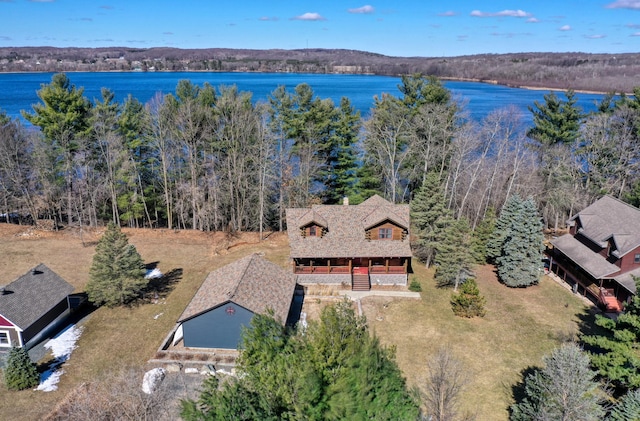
(32, 295)
(346, 226)
(251, 282)
(610, 218)
(595, 264)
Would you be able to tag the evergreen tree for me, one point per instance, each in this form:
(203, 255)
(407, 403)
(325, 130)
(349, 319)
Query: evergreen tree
(627, 409)
(556, 121)
(342, 164)
(615, 354)
(117, 272)
(481, 236)
(332, 370)
(468, 302)
(563, 390)
(19, 372)
(517, 244)
(453, 259)
(429, 216)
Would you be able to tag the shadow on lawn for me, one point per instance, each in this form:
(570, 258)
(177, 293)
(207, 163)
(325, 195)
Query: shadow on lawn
(161, 286)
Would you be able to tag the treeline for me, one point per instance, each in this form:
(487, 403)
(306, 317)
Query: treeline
(579, 71)
(211, 159)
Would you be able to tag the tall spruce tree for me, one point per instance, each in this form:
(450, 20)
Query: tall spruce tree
(518, 243)
(564, 389)
(628, 408)
(20, 373)
(429, 216)
(116, 275)
(481, 236)
(453, 258)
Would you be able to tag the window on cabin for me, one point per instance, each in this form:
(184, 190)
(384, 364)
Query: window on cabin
(636, 258)
(4, 339)
(312, 231)
(384, 233)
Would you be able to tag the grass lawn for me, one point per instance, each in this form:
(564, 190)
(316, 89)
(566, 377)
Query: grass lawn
(521, 325)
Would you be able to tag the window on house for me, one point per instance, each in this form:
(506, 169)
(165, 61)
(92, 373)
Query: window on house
(384, 233)
(312, 231)
(636, 258)
(4, 339)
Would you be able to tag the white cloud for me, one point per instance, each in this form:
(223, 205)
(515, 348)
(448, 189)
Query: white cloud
(635, 34)
(565, 28)
(269, 19)
(309, 16)
(367, 9)
(533, 20)
(509, 13)
(624, 4)
(448, 13)
(41, 1)
(596, 36)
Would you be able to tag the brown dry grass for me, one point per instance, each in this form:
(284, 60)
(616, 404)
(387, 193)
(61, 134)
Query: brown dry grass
(520, 327)
(127, 336)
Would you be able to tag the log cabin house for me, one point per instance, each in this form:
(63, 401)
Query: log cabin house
(600, 256)
(357, 245)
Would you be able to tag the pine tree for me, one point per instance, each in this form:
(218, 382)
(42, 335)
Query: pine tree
(627, 409)
(429, 216)
(556, 121)
(563, 390)
(615, 354)
(481, 236)
(117, 273)
(518, 243)
(20, 373)
(453, 259)
(468, 302)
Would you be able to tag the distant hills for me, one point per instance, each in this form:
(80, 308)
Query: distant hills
(578, 71)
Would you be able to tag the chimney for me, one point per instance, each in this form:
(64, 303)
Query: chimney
(345, 201)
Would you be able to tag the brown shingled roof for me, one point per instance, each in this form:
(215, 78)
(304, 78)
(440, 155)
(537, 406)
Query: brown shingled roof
(346, 225)
(251, 282)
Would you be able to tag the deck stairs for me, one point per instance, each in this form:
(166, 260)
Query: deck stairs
(360, 279)
(609, 300)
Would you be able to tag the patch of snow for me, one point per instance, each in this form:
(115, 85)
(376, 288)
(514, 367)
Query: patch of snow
(152, 380)
(191, 370)
(153, 274)
(157, 315)
(61, 346)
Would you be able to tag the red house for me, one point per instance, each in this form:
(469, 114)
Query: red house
(358, 245)
(601, 254)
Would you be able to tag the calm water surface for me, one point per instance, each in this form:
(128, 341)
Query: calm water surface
(18, 90)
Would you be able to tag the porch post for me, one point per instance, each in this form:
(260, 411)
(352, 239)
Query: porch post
(386, 265)
(350, 264)
(328, 265)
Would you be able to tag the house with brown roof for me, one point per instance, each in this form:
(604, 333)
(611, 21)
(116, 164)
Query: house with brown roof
(358, 245)
(32, 306)
(600, 255)
(228, 299)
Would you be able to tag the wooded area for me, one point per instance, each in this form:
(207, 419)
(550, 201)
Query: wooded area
(209, 158)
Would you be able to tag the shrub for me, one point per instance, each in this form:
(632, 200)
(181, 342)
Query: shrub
(415, 286)
(468, 302)
(20, 373)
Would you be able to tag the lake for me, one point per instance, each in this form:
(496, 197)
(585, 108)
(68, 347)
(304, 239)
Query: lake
(18, 90)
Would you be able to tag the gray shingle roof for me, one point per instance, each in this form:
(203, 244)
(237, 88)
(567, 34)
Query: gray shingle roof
(32, 295)
(346, 225)
(611, 218)
(596, 265)
(251, 282)
(626, 280)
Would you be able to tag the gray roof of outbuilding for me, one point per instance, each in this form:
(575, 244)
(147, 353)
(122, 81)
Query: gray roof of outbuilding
(610, 218)
(346, 226)
(32, 295)
(251, 282)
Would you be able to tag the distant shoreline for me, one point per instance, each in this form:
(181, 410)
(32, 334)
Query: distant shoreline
(452, 79)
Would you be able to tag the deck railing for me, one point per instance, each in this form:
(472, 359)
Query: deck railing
(345, 269)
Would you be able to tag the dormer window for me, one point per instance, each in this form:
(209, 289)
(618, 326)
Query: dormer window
(636, 258)
(385, 233)
(312, 231)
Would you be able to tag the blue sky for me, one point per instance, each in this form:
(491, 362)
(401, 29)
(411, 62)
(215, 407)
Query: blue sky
(396, 28)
